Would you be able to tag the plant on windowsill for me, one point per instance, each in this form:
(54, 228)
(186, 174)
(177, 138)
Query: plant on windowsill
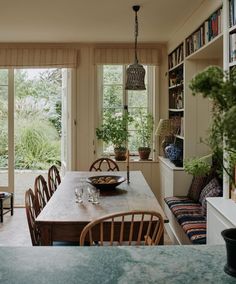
(220, 87)
(114, 130)
(144, 129)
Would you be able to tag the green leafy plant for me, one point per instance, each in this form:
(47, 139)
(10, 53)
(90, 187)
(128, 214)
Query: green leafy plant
(197, 166)
(220, 87)
(144, 127)
(114, 129)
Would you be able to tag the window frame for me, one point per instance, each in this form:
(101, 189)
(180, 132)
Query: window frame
(152, 72)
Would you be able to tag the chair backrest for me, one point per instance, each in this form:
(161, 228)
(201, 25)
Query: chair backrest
(125, 228)
(104, 164)
(54, 179)
(41, 193)
(31, 216)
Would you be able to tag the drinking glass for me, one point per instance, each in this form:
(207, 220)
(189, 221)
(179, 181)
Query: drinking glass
(95, 195)
(79, 194)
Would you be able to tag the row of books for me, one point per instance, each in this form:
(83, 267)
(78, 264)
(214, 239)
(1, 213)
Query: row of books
(232, 13)
(232, 47)
(176, 57)
(207, 31)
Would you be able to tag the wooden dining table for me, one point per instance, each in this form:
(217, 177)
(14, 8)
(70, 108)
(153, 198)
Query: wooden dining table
(62, 219)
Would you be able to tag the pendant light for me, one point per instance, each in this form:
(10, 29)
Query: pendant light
(135, 72)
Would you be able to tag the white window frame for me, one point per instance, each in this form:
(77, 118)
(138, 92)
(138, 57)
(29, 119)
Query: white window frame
(153, 72)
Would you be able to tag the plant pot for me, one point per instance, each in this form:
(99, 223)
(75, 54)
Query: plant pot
(144, 152)
(229, 236)
(120, 153)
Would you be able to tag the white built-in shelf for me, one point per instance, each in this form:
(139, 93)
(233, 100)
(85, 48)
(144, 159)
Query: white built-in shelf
(176, 66)
(232, 29)
(212, 50)
(233, 63)
(176, 109)
(176, 86)
(226, 207)
(169, 164)
(179, 136)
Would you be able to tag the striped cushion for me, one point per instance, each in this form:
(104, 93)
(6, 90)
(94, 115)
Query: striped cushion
(189, 215)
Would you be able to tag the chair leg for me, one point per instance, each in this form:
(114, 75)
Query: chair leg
(1, 210)
(12, 204)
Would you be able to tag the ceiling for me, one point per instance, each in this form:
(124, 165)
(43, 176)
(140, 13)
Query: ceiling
(92, 20)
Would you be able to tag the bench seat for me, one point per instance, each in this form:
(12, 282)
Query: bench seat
(189, 215)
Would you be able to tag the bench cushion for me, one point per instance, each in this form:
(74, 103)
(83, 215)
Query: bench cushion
(189, 215)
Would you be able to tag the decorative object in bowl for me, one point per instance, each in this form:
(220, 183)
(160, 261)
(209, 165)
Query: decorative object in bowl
(105, 181)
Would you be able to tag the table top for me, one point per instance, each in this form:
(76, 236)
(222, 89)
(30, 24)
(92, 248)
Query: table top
(160, 264)
(62, 207)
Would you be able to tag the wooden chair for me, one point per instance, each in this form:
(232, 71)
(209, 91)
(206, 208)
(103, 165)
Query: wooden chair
(31, 216)
(41, 193)
(125, 228)
(54, 179)
(104, 164)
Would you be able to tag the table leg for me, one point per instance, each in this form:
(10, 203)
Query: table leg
(12, 204)
(1, 210)
(46, 235)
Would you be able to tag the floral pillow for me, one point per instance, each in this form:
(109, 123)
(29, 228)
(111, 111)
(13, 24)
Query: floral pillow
(212, 189)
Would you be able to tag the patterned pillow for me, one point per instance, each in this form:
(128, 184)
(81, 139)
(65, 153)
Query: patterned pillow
(212, 189)
(198, 182)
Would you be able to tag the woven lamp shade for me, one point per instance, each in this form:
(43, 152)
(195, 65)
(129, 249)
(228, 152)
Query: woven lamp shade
(164, 128)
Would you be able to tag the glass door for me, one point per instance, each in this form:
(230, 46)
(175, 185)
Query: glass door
(7, 130)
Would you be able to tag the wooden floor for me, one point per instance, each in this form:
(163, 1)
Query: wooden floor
(14, 230)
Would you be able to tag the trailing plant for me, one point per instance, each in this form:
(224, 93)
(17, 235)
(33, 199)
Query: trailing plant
(220, 87)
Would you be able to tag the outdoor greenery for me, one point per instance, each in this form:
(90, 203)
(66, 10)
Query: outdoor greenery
(144, 128)
(124, 113)
(220, 87)
(37, 119)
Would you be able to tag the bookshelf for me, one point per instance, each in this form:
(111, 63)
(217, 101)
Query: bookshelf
(176, 93)
(194, 112)
(232, 32)
(206, 32)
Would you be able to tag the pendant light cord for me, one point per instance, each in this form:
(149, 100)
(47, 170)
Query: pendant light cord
(136, 36)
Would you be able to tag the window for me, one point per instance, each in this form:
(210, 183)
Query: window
(115, 99)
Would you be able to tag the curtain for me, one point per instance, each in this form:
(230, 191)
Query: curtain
(125, 55)
(38, 57)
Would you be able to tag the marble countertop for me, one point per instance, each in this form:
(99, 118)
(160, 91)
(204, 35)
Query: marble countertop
(160, 264)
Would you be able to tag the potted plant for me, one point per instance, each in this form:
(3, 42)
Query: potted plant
(197, 166)
(144, 129)
(114, 130)
(220, 87)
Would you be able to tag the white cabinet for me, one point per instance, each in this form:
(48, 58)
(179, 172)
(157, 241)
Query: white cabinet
(174, 181)
(221, 215)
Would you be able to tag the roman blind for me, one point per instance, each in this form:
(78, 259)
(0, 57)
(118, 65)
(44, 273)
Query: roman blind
(110, 55)
(36, 57)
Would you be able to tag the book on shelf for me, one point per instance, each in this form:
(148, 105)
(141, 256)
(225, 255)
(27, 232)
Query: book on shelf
(232, 13)
(232, 47)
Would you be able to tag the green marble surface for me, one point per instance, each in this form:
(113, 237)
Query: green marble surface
(161, 264)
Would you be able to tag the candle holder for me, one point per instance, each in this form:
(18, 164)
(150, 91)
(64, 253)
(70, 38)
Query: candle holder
(127, 159)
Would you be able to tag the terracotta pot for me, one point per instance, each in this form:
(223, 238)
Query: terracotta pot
(120, 154)
(144, 152)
